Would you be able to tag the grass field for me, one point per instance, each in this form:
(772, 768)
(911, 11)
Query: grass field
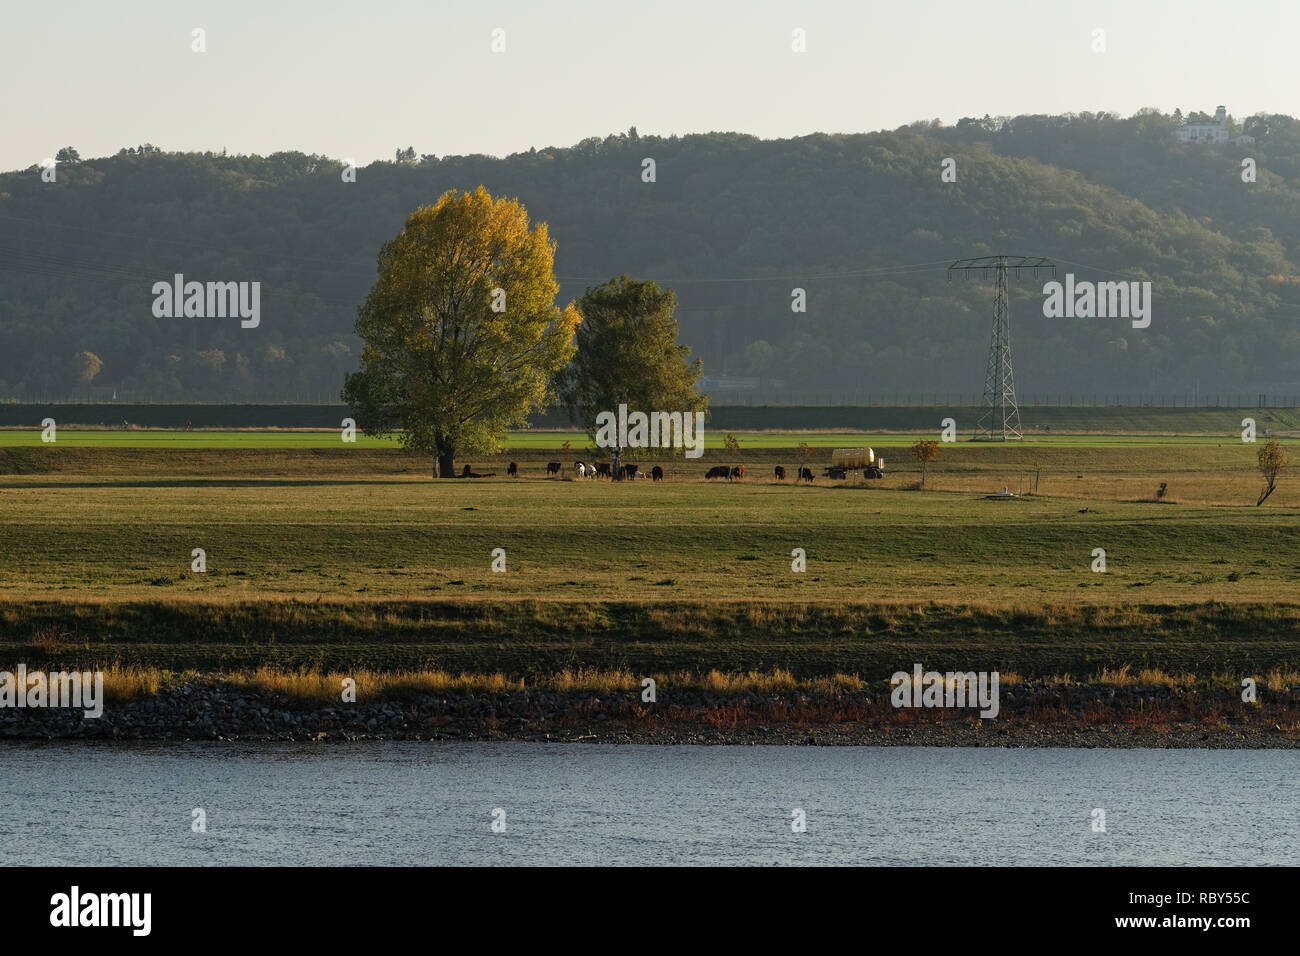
(1089, 418)
(348, 556)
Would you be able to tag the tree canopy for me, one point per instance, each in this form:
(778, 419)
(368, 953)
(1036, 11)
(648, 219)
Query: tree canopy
(627, 353)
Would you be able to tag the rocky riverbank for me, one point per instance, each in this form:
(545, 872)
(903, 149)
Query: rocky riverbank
(1031, 715)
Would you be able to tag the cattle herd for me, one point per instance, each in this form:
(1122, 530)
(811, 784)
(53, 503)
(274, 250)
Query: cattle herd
(602, 469)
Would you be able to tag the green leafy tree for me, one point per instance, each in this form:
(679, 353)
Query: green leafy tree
(627, 353)
(462, 335)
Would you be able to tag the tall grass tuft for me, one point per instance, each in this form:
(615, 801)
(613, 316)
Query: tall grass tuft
(128, 683)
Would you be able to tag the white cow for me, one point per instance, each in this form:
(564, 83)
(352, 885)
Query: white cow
(580, 469)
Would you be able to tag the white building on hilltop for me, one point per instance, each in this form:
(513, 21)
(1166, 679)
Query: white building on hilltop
(1215, 132)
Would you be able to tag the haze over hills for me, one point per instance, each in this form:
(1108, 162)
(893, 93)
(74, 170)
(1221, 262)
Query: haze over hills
(862, 222)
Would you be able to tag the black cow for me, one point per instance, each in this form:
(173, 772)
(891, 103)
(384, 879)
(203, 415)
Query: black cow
(805, 474)
(603, 468)
(629, 472)
(657, 473)
(780, 473)
(552, 467)
(513, 470)
(719, 471)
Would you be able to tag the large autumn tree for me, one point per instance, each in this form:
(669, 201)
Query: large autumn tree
(627, 352)
(462, 335)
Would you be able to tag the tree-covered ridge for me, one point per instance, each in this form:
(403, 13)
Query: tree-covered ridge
(731, 223)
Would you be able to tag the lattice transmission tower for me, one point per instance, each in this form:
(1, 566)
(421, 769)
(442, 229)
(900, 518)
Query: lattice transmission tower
(1000, 420)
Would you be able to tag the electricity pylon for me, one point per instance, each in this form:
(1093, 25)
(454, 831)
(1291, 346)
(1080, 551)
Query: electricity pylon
(1000, 420)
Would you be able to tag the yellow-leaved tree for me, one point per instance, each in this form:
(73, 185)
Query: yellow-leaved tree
(461, 332)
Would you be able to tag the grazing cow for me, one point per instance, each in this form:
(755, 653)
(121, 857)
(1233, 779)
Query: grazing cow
(737, 472)
(579, 469)
(513, 470)
(780, 473)
(552, 467)
(805, 474)
(718, 471)
(602, 468)
(630, 472)
(657, 473)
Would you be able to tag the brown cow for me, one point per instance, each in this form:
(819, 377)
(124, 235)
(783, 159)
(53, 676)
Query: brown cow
(737, 472)
(780, 473)
(513, 470)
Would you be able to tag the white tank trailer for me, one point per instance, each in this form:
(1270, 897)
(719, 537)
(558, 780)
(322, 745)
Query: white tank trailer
(845, 460)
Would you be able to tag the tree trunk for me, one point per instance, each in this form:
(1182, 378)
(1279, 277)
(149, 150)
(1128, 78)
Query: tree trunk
(1267, 491)
(446, 458)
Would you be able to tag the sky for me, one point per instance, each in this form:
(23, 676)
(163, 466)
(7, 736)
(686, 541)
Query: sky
(360, 78)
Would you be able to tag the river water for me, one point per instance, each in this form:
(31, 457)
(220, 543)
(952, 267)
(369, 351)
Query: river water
(434, 803)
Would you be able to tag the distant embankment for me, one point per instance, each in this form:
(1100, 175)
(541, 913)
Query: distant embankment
(903, 418)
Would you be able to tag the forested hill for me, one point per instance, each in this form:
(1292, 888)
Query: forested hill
(863, 223)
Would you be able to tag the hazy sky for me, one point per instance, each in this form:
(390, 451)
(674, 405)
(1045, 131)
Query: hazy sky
(359, 78)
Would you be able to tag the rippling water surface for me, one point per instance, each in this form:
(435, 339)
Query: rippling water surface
(433, 803)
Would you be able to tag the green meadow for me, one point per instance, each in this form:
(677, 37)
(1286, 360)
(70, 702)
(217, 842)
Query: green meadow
(337, 556)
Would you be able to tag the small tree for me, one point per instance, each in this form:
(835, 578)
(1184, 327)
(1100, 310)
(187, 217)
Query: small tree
(925, 452)
(87, 365)
(805, 452)
(1270, 460)
(731, 444)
